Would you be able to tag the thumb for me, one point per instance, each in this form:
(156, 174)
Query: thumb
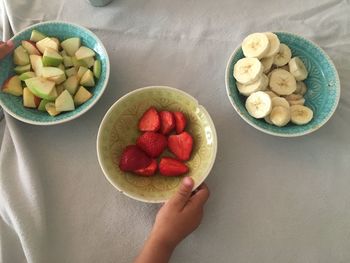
(183, 194)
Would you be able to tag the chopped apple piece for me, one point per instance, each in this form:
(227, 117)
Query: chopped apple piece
(71, 45)
(37, 64)
(61, 67)
(67, 61)
(89, 62)
(51, 109)
(64, 102)
(45, 43)
(42, 104)
(22, 69)
(84, 52)
(51, 58)
(60, 88)
(97, 69)
(36, 36)
(40, 87)
(81, 71)
(71, 84)
(87, 80)
(54, 74)
(30, 47)
(13, 86)
(71, 71)
(77, 63)
(27, 75)
(29, 99)
(81, 96)
(57, 41)
(20, 56)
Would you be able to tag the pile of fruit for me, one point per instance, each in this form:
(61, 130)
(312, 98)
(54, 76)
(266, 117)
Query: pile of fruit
(272, 80)
(160, 131)
(55, 75)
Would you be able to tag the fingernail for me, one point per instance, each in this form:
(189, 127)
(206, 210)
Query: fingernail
(187, 181)
(9, 43)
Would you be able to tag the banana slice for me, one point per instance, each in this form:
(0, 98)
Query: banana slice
(303, 87)
(295, 99)
(267, 63)
(297, 68)
(255, 45)
(301, 115)
(258, 104)
(283, 56)
(279, 101)
(280, 116)
(258, 85)
(271, 94)
(274, 44)
(282, 82)
(268, 120)
(247, 70)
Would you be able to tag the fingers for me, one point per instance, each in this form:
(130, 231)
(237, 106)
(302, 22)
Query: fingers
(200, 197)
(6, 48)
(183, 194)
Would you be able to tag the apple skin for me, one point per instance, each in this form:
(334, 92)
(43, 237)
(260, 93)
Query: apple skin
(97, 69)
(52, 58)
(13, 86)
(27, 75)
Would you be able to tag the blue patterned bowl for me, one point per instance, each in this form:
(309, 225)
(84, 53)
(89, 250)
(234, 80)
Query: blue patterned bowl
(62, 30)
(323, 87)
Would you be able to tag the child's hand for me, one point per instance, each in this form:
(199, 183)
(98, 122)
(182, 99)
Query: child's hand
(181, 215)
(5, 48)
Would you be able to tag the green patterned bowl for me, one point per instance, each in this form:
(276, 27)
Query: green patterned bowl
(119, 129)
(323, 87)
(62, 30)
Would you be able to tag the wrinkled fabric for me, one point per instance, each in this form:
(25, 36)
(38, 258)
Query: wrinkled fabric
(272, 199)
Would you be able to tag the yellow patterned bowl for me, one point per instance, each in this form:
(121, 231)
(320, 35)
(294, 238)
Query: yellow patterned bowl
(119, 129)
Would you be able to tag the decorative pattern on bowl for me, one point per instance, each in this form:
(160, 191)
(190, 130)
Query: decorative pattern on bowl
(119, 129)
(62, 30)
(323, 87)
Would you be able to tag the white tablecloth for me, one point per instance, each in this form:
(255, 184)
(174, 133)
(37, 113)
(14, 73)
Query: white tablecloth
(273, 199)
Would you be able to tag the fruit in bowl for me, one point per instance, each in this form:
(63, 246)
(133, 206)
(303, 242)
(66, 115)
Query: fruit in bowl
(141, 158)
(167, 131)
(57, 72)
(282, 84)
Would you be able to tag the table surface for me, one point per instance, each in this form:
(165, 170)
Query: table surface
(272, 199)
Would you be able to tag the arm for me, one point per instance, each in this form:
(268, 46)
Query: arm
(177, 218)
(5, 48)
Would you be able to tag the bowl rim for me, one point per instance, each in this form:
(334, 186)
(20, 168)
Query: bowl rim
(45, 123)
(297, 134)
(105, 117)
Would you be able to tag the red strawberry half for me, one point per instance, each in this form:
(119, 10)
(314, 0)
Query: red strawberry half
(167, 122)
(149, 170)
(150, 120)
(133, 159)
(152, 143)
(172, 167)
(181, 145)
(180, 121)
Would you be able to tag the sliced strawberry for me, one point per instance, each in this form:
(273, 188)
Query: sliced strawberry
(150, 120)
(181, 145)
(152, 143)
(149, 170)
(180, 121)
(172, 167)
(133, 159)
(167, 122)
